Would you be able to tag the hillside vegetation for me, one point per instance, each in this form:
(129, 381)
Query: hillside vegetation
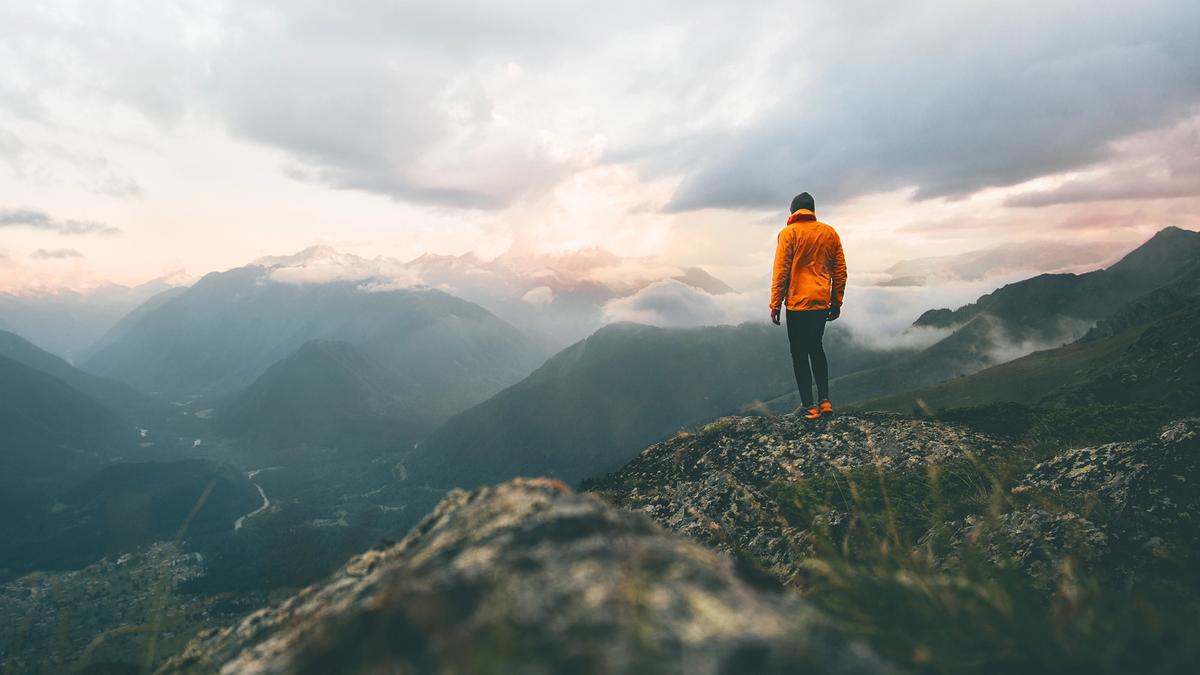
(1150, 364)
(952, 550)
(594, 405)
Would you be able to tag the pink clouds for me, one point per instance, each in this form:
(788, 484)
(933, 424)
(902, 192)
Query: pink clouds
(1153, 165)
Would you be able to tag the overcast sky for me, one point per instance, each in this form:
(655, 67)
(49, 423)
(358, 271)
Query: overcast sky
(138, 138)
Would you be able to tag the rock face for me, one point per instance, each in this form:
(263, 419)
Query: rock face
(1131, 508)
(1128, 509)
(714, 485)
(527, 577)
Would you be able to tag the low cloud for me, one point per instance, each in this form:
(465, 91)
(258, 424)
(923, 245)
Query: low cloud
(323, 264)
(378, 277)
(1006, 261)
(56, 254)
(883, 315)
(542, 295)
(1065, 332)
(41, 221)
(875, 316)
(674, 303)
(387, 285)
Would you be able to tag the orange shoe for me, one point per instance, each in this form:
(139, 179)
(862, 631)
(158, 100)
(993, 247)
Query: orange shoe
(826, 407)
(811, 412)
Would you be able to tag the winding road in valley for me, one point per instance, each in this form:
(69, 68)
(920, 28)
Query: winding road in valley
(266, 503)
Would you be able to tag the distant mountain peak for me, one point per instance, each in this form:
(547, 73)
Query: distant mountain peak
(318, 254)
(1169, 248)
(1173, 231)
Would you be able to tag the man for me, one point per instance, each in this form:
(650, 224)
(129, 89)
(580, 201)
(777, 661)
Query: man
(810, 279)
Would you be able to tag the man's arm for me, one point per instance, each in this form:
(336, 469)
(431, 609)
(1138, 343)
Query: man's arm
(837, 271)
(781, 272)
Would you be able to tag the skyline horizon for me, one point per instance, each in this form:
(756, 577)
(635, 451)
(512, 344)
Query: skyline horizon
(182, 276)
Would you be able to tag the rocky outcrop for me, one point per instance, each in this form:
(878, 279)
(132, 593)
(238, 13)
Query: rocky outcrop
(527, 577)
(714, 485)
(1130, 508)
(1120, 509)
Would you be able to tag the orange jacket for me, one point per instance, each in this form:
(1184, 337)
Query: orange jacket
(810, 270)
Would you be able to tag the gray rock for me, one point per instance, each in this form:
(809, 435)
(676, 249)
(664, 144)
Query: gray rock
(526, 577)
(1129, 508)
(1143, 495)
(1036, 540)
(712, 485)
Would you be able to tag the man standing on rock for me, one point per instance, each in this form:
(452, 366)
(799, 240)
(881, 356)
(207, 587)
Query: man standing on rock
(809, 277)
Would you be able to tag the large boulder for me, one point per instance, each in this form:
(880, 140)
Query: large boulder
(527, 577)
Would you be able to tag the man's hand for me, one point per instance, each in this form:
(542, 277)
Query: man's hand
(775, 316)
(834, 312)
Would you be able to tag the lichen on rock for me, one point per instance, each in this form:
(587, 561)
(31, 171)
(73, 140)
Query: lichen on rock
(714, 485)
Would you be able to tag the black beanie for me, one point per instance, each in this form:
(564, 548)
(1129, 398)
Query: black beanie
(803, 201)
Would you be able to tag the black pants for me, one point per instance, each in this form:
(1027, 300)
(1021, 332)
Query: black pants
(805, 330)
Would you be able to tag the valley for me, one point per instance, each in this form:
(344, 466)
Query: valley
(266, 502)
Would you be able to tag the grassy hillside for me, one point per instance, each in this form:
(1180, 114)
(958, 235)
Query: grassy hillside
(329, 393)
(50, 432)
(594, 405)
(1156, 364)
(1065, 543)
(115, 395)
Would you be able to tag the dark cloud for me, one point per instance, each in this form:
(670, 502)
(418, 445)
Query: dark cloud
(1121, 185)
(1162, 165)
(477, 104)
(41, 221)
(56, 254)
(988, 97)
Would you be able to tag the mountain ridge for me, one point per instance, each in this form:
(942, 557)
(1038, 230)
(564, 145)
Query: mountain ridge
(51, 433)
(116, 395)
(1151, 362)
(594, 405)
(1026, 305)
(228, 328)
(325, 391)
